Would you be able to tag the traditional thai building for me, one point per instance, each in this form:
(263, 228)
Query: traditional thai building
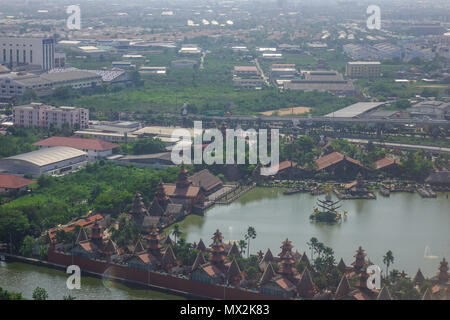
(94, 247)
(266, 260)
(208, 182)
(357, 188)
(418, 278)
(360, 263)
(387, 165)
(163, 211)
(183, 192)
(339, 165)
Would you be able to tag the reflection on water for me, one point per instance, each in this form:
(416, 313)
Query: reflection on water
(404, 223)
(24, 278)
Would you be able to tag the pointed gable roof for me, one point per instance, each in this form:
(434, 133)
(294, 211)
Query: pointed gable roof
(384, 294)
(169, 259)
(110, 248)
(139, 248)
(82, 236)
(306, 287)
(168, 240)
(156, 209)
(201, 245)
(268, 274)
(418, 278)
(268, 256)
(343, 288)
(199, 260)
(427, 295)
(234, 250)
(305, 260)
(341, 266)
(233, 271)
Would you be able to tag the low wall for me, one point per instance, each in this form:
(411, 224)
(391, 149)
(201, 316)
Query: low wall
(182, 285)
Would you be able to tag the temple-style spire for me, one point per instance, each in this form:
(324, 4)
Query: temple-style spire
(443, 272)
(96, 234)
(161, 195)
(418, 278)
(182, 181)
(360, 260)
(153, 241)
(306, 287)
(217, 251)
(286, 246)
(305, 260)
(343, 288)
(138, 207)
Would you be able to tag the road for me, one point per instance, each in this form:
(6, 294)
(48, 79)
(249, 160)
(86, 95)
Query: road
(311, 120)
(266, 81)
(402, 145)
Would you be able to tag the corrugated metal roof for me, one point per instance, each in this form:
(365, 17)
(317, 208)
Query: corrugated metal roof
(48, 156)
(355, 109)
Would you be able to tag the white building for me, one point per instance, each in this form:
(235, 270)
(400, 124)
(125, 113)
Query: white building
(21, 51)
(95, 149)
(50, 161)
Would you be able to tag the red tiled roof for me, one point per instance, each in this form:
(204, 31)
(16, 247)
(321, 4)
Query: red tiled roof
(287, 164)
(212, 270)
(173, 191)
(77, 143)
(13, 182)
(382, 163)
(88, 246)
(85, 222)
(333, 158)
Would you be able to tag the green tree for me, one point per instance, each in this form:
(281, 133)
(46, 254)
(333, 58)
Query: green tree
(388, 259)
(176, 232)
(251, 234)
(40, 294)
(27, 247)
(242, 246)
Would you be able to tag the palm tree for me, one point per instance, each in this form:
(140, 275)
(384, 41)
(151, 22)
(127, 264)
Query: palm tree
(242, 246)
(388, 259)
(251, 234)
(312, 244)
(176, 232)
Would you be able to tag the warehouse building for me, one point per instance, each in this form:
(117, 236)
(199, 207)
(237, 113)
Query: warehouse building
(95, 149)
(356, 110)
(52, 161)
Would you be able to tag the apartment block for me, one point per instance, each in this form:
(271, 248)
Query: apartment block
(41, 115)
(363, 69)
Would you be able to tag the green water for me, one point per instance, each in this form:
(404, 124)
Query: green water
(24, 278)
(404, 223)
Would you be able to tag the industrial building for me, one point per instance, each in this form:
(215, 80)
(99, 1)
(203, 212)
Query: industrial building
(50, 161)
(246, 71)
(44, 116)
(363, 69)
(431, 109)
(17, 51)
(95, 149)
(14, 84)
(329, 81)
(356, 110)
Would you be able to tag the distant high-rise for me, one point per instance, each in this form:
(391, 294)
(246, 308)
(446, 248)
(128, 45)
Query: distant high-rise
(15, 51)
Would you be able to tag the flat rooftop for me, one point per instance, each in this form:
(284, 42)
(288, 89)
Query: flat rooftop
(355, 110)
